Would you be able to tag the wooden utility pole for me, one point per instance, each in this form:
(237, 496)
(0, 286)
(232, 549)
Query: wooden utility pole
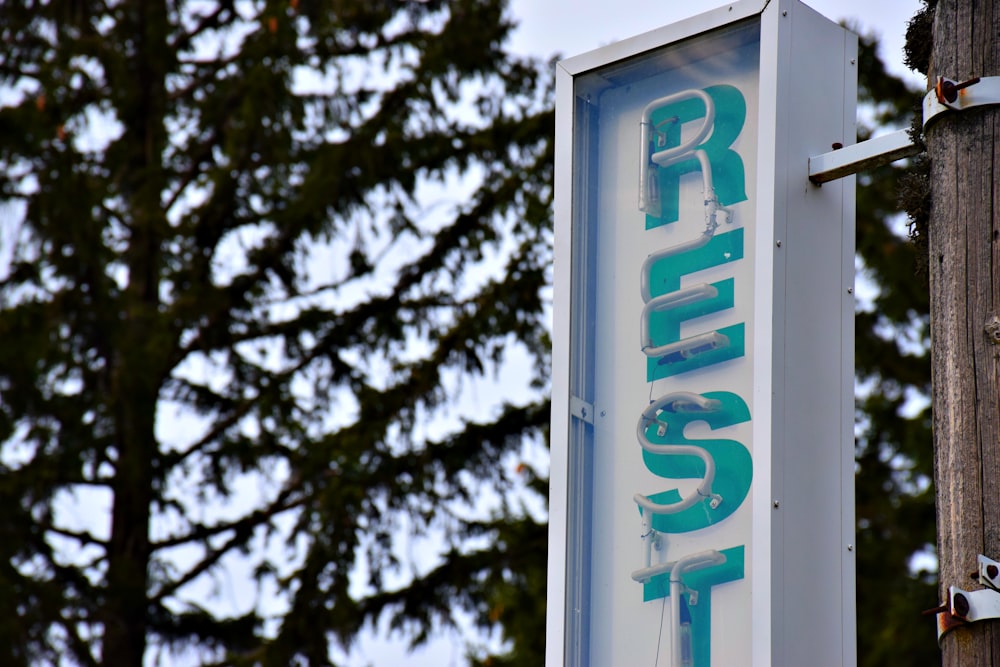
(964, 240)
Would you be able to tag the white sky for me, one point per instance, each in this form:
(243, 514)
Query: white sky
(571, 27)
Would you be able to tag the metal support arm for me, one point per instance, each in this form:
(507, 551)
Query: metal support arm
(865, 155)
(947, 95)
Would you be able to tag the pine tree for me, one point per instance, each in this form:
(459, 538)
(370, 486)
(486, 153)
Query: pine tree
(232, 317)
(894, 493)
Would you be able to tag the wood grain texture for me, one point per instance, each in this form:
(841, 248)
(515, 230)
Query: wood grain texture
(964, 240)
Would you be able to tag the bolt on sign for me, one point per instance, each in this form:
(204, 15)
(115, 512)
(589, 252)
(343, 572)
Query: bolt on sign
(701, 508)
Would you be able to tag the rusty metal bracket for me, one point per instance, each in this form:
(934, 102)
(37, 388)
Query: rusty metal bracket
(965, 607)
(949, 95)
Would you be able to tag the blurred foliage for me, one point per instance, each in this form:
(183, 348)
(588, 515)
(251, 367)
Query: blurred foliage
(894, 481)
(253, 255)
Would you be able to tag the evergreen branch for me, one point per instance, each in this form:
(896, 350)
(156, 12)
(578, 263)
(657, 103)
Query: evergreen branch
(97, 482)
(242, 529)
(201, 532)
(193, 171)
(188, 628)
(83, 537)
(220, 426)
(240, 410)
(16, 70)
(207, 22)
(207, 69)
(78, 646)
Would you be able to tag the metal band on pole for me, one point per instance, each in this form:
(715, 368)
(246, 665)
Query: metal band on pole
(948, 95)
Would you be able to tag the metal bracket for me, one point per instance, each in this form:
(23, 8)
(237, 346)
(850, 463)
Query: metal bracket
(865, 155)
(948, 95)
(964, 607)
(581, 409)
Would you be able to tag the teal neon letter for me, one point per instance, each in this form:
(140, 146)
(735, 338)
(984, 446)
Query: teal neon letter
(733, 464)
(665, 327)
(701, 581)
(727, 165)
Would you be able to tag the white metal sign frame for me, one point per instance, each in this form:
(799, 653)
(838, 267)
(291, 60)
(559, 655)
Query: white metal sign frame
(769, 365)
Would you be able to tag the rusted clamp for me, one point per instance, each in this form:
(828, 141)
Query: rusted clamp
(949, 95)
(964, 607)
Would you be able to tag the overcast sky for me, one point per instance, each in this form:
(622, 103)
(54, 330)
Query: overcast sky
(572, 27)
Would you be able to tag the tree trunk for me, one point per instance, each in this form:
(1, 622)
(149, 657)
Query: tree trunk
(141, 346)
(964, 239)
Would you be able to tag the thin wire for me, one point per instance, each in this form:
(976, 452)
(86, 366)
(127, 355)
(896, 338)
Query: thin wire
(659, 637)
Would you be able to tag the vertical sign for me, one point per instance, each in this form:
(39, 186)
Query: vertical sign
(702, 451)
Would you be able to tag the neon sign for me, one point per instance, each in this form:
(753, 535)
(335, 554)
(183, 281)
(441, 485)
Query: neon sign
(724, 467)
(702, 395)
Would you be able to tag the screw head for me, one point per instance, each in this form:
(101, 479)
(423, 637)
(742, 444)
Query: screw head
(992, 571)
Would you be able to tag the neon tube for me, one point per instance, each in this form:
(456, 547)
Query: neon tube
(677, 569)
(649, 200)
(678, 402)
(696, 561)
(688, 348)
(712, 210)
(648, 187)
(684, 297)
